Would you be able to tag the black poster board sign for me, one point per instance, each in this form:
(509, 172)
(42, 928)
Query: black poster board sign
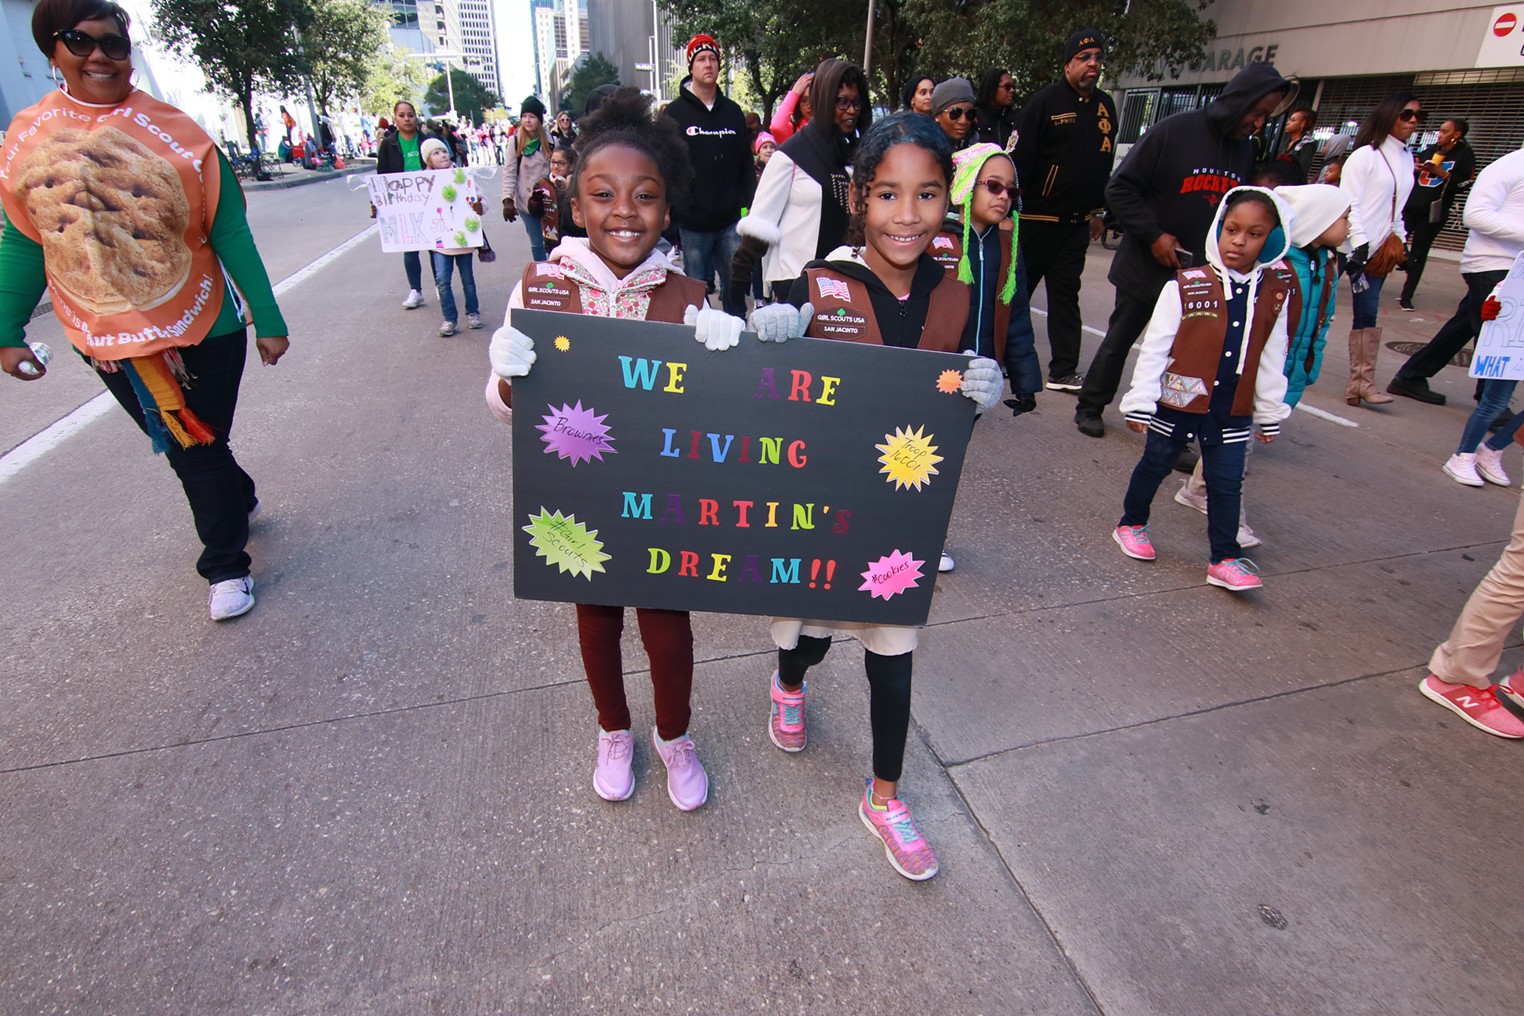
(807, 479)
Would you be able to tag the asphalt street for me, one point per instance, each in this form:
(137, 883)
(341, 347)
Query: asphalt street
(372, 794)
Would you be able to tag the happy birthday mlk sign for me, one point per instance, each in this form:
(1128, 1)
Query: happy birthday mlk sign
(802, 479)
(426, 210)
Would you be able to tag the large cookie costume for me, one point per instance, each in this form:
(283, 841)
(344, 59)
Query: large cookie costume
(111, 217)
(121, 199)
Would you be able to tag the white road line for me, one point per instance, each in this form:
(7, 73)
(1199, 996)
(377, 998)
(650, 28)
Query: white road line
(39, 444)
(1323, 414)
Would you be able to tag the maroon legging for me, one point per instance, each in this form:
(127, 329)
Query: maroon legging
(668, 638)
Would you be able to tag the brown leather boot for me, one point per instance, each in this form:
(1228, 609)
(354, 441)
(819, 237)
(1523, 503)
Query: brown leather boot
(1359, 380)
(1372, 394)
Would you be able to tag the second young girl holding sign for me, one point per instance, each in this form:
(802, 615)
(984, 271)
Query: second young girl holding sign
(448, 260)
(628, 173)
(903, 298)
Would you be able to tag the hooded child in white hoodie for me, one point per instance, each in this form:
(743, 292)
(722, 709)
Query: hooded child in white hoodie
(1210, 368)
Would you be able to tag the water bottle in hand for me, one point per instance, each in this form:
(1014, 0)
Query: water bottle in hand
(41, 353)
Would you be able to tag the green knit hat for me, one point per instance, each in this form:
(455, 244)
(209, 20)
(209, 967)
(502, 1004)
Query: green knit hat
(967, 165)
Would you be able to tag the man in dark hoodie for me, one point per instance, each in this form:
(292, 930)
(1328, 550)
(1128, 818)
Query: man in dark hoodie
(719, 149)
(1164, 196)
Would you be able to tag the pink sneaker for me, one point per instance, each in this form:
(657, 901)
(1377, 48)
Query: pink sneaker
(613, 779)
(1483, 708)
(687, 783)
(1237, 574)
(904, 845)
(786, 724)
(1134, 542)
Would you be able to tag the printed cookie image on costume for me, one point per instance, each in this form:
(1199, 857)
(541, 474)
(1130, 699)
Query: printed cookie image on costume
(112, 217)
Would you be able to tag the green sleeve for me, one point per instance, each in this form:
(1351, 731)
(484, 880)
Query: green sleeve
(22, 282)
(234, 245)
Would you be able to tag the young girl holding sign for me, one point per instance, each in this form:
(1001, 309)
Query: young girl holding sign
(447, 260)
(894, 294)
(628, 173)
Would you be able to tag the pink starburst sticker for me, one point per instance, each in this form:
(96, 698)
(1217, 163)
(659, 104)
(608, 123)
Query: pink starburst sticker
(890, 575)
(576, 433)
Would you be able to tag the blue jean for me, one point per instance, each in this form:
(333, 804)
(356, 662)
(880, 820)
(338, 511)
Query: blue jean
(535, 227)
(1363, 305)
(1222, 466)
(705, 253)
(1495, 396)
(413, 265)
(444, 269)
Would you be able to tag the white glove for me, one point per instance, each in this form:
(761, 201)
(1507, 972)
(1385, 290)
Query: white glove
(981, 381)
(511, 352)
(779, 322)
(714, 328)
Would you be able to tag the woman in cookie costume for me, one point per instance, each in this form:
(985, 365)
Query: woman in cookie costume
(887, 290)
(128, 213)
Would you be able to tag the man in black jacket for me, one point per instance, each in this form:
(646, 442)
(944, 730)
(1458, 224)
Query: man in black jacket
(1165, 196)
(1443, 169)
(724, 178)
(1065, 148)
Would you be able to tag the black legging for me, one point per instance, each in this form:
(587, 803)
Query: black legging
(888, 697)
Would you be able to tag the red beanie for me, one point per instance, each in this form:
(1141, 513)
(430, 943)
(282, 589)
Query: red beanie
(698, 44)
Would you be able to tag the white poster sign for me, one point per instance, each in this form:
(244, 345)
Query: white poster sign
(427, 210)
(1503, 40)
(1500, 347)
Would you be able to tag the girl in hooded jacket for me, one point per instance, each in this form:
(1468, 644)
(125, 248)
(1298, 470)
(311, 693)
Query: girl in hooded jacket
(1210, 368)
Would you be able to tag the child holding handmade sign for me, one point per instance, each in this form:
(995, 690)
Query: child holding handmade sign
(629, 172)
(447, 260)
(885, 290)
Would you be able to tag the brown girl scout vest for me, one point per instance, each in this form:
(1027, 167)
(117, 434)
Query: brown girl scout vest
(843, 310)
(546, 288)
(1198, 345)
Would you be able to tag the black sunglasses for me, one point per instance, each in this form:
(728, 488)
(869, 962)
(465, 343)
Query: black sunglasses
(956, 113)
(1411, 115)
(116, 47)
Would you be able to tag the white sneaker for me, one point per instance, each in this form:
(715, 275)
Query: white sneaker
(230, 598)
(1489, 463)
(414, 299)
(1185, 497)
(947, 564)
(256, 511)
(1246, 537)
(1462, 469)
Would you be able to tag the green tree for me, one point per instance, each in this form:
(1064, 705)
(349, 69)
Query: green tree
(340, 40)
(592, 71)
(471, 96)
(391, 75)
(242, 46)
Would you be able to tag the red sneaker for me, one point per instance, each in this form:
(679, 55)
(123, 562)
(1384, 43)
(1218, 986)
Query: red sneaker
(1483, 708)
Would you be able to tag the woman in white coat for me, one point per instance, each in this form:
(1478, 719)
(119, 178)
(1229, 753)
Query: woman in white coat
(528, 160)
(800, 211)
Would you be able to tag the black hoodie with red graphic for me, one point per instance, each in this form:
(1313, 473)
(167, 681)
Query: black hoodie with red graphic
(1174, 177)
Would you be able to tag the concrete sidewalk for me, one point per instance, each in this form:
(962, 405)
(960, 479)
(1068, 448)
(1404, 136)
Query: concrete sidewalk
(289, 175)
(372, 794)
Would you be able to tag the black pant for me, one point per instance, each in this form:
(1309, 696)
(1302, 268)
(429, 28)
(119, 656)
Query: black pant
(1056, 252)
(220, 493)
(1464, 325)
(1421, 236)
(1128, 319)
(888, 697)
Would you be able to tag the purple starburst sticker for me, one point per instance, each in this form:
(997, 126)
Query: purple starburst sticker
(576, 433)
(891, 575)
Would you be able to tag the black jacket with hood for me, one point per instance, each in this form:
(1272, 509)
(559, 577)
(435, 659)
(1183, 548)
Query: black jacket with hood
(1174, 177)
(719, 149)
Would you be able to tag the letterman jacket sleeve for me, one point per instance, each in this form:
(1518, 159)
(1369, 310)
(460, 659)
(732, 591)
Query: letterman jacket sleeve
(1270, 405)
(1142, 398)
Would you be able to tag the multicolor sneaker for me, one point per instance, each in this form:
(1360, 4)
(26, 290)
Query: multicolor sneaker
(1237, 574)
(614, 780)
(687, 783)
(473, 321)
(904, 845)
(1498, 710)
(1134, 542)
(786, 723)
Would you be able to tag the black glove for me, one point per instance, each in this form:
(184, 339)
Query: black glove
(748, 259)
(509, 212)
(1355, 266)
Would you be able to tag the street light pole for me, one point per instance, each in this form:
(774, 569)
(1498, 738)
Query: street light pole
(868, 45)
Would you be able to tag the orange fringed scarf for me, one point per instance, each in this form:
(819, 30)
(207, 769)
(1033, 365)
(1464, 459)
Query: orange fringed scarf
(159, 381)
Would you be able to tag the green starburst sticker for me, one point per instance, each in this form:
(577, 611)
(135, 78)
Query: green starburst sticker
(566, 543)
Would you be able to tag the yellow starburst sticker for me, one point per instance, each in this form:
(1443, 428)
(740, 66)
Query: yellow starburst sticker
(562, 343)
(949, 381)
(909, 459)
